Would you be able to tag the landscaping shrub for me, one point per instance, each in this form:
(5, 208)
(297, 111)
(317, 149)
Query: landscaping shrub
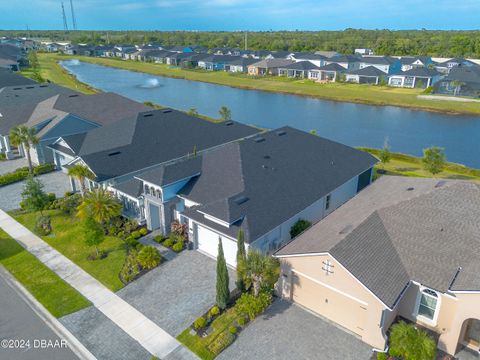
(221, 342)
(22, 173)
(176, 238)
(131, 268)
(200, 323)
(242, 321)
(3, 157)
(168, 243)
(43, 169)
(51, 197)
(159, 239)
(149, 257)
(177, 247)
(131, 242)
(179, 229)
(68, 205)
(139, 246)
(135, 234)
(129, 226)
(428, 90)
(43, 225)
(121, 234)
(232, 329)
(143, 231)
(68, 193)
(252, 306)
(300, 226)
(214, 311)
(382, 356)
(409, 343)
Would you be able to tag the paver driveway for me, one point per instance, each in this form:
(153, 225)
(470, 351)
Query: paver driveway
(176, 293)
(288, 332)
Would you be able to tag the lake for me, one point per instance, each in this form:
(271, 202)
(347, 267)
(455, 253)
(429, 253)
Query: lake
(408, 131)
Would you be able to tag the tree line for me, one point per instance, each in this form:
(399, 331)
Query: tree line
(384, 42)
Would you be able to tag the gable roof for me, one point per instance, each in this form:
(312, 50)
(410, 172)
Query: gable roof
(421, 72)
(370, 71)
(302, 65)
(152, 138)
(272, 63)
(260, 182)
(241, 61)
(332, 67)
(378, 60)
(425, 234)
(466, 75)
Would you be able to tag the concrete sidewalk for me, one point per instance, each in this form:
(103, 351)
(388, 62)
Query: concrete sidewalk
(153, 338)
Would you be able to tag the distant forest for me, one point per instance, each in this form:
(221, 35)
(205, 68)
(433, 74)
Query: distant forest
(383, 42)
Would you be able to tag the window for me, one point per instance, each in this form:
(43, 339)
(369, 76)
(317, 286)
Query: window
(327, 202)
(428, 304)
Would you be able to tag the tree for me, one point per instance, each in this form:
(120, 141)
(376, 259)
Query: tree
(433, 160)
(100, 205)
(409, 343)
(385, 155)
(81, 172)
(223, 292)
(241, 258)
(34, 65)
(33, 196)
(24, 136)
(225, 113)
(260, 271)
(94, 234)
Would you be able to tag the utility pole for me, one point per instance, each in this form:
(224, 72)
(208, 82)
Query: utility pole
(65, 26)
(74, 21)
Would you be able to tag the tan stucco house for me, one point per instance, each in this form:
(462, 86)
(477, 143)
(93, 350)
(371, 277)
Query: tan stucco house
(403, 247)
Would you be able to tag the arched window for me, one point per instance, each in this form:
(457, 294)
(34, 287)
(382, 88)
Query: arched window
(428, 304)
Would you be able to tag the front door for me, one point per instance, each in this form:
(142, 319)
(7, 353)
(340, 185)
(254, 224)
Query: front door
(472, 334)
(154, 217)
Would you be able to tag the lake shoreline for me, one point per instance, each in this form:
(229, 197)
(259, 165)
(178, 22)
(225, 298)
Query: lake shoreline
(120, 64)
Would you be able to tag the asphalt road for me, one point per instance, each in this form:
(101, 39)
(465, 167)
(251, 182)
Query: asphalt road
(23, 334)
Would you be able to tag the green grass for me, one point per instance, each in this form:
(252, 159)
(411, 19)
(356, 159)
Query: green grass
(407, 165)
(199, 345)
(50, 70)
(51, 291)
(357, 93)
(67, 238)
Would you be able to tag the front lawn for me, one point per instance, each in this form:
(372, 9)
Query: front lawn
(50, 290)
(67, 237)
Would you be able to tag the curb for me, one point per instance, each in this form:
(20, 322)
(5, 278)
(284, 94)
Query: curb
(73, 343)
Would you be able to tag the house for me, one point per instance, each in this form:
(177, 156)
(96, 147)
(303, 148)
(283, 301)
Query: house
(10, 78)
(191, 60)
(268, 66)
(216, 62)
(17, 103)
(260, 54)
(279, 55)
(62, 115)
(420, 77)
(411, 62)
(364, 52)
(158, 56)
(327, 54)
(327, 73)
(448, 65)
(367, 75)
(239, 65)
(116, 153)
(297, 70)
(11, 57)
(349, 62)
(315, 59)
(387, 64)
(403, 247)
(461, 80)
(262, 184)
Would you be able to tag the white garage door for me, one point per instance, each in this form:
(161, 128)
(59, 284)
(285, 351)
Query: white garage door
(208, 243)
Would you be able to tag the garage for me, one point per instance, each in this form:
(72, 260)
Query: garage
(344, 310)
(207, 241)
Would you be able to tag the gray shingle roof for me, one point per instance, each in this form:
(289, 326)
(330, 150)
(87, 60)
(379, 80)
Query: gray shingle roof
(371, 71)
(272, 63)
(267, 182)
(421, 72)
(424, 234)
(152, 138)
(302, 65)
(132, 187)
(9, 78)
(332, 67)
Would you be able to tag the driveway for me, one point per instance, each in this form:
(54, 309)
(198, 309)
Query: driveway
(287, 332)
(176, 293)
(11, 165)
(10, 195)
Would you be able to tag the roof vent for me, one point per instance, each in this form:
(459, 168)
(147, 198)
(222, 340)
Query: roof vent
(229, 123)
(166, 111)
(440, 183)
(410, 189)
(259, 139)
(17, 88)
(30, 87)
(73, 95)
(240, 200)
(147, 115)
(114, 153)
(281, 132)
(43, 86)
(266, 156)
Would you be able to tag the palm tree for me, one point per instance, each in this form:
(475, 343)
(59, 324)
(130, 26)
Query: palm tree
(24, 136)
(260, 271)
(81, 172)
(99, 204)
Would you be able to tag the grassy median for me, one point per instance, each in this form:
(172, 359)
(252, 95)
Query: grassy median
(356, 93)
(48, 288)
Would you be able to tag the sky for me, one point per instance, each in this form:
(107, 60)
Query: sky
(232, 15)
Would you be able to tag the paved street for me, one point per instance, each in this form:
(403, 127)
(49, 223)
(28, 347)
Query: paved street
(288, 332)
(18, 321)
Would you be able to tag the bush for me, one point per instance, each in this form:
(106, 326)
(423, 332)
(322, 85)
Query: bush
(176, 238)
(177, 247)
(139, 246)
(242, 321)
(300, 226)
(131, 268)
(409, 343)
(43, 225)
(121, 234)
(252, 306)
(135, 235)
(149, 257)
(143, 231)
(232, 329)
(214, 311)
(68, 193)
(382, 356)
(3, 157)
(221, 342)
(131, 242)
(43, 169)
(51, 197)
(168, 243)
(428, 90)
(68, 205)
(200, 323)
(159, 239)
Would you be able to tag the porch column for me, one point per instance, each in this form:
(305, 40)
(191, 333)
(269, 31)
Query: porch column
(21, 150)
(72, 184)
